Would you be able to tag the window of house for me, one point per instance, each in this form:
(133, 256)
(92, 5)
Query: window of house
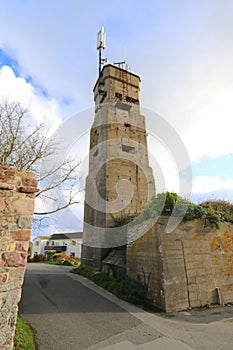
(128, 149)
(72, 255)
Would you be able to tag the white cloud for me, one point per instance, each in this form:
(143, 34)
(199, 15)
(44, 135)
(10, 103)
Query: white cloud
(211, 184)
(18, 89)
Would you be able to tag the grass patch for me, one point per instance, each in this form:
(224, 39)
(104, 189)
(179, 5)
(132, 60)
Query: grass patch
(24, 337)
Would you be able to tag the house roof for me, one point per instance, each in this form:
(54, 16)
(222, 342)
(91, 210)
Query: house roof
(67, 235)
(58, 236)
(74, 235)
(42, 237)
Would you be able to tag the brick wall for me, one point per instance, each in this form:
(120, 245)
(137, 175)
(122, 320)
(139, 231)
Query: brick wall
(190, 267)
(17, 192)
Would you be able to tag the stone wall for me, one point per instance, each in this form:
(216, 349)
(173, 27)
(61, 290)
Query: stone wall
(190, 267)
(17, 192)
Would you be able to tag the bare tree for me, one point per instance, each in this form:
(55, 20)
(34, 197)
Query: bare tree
(25, 145)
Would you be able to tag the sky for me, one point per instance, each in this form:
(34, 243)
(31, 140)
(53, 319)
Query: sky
(182, 50)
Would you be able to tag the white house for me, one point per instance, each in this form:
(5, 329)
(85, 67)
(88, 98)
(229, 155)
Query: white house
(38, 245)
(69, 243)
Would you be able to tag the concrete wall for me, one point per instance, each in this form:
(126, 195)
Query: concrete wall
(190, 267)
(120, 180)
(17, 192)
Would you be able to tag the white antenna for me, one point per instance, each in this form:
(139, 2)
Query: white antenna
(101, 39)
(122, 64)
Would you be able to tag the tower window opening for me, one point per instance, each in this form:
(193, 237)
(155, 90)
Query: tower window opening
(96, 153)
(131, 99)
(128, 149)
(127, 125)
(118, 96)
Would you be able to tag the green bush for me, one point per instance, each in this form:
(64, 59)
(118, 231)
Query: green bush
(219, 210)
(164, 203)
(133, 290)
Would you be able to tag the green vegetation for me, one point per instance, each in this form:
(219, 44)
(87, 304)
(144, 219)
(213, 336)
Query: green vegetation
(132, 290)
(24, 337)
(56, 259)
(164, 204)
(222, 209)
(122, 220)
(37, 258)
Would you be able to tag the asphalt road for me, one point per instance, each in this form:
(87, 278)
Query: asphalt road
(70, 312)
(65, 313)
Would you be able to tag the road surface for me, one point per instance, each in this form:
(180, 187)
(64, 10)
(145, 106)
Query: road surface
(70, 312)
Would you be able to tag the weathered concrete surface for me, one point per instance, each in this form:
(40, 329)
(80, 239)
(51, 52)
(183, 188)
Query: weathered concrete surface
(86, 314)
(17, 192)
(120, 180)
(190, 267)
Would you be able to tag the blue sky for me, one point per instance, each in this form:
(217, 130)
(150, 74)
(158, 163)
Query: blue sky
(182, 51)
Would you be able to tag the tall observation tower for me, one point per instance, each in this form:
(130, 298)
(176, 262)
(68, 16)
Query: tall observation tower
(120, 180)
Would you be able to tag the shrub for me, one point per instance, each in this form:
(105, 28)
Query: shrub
(122, 220)
(60, 257)
(164, 203)
(133, 290)
(219, 210)
(39, 257)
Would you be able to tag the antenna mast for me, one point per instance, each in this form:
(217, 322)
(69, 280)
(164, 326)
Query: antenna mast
(101, 43)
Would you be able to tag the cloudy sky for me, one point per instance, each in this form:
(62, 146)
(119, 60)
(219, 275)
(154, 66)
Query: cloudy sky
(182, 50)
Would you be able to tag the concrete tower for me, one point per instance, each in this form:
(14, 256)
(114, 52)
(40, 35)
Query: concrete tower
(120, 181)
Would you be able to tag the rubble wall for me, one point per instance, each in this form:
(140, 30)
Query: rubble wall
(17, 193)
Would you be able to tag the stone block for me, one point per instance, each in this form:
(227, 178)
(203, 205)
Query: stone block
(8, 247)
(25, 222)
(24, 206)
(21, 235)
(16, 273)
(22, 246)
(13, 259)
(10, 299)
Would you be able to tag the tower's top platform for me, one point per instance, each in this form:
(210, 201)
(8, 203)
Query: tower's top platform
(117, 82)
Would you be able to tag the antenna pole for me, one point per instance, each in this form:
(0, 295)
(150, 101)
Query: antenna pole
(100, 66)
(101, 42)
